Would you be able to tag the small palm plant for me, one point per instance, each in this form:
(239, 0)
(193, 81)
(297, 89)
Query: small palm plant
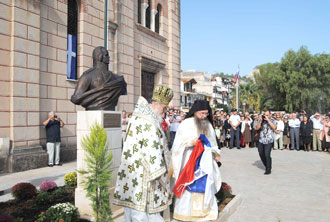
(98, 173)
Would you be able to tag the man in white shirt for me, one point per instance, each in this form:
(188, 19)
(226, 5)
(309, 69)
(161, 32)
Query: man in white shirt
(317, 127)
(235, 122)
(294, 125)
(278, 133)
(175, 122)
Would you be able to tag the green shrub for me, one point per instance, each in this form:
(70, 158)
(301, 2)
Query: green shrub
(70, 179)
(23, 191)
(62, 212)
(98, 173)
(59, 192)
(43, 198)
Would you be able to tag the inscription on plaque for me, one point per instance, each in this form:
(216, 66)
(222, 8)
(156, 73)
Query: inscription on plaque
(111, 120)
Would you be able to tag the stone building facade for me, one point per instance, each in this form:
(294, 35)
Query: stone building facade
(203, 86)
(143, 38)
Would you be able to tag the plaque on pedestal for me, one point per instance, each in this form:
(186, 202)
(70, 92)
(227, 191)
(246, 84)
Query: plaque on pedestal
(111, 120)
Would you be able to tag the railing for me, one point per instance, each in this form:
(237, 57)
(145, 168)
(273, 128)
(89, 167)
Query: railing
(186, 104)
(190, 90)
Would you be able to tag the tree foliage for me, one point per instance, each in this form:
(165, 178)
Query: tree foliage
(224, 75)
(98, 173)
(296, 83)
(250, 93)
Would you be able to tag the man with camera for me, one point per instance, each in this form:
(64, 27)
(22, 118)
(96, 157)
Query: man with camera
(53, 133)
(267, 125)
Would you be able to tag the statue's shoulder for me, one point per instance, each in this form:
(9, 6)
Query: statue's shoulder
(87, 74)
(115, 76)
(88, 71)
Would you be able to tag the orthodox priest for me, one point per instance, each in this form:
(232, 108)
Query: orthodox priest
(195, 155)
(142, 185)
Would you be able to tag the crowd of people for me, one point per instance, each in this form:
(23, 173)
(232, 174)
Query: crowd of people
(294, 131)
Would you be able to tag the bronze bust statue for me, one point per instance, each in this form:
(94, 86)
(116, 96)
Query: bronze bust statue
(98, 88)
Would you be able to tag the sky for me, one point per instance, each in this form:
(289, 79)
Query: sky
(219, 35)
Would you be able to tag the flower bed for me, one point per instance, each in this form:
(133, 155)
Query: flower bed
(29, 209)
(224, 196)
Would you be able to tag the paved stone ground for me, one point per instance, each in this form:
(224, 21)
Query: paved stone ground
(297, 190)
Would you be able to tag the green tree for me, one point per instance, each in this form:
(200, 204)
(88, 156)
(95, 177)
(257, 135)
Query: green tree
(265, 86)
(250, 92)
(296, 83)
(98, 173)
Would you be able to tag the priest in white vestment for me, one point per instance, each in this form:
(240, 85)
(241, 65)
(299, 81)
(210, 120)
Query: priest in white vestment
(193, 205)
(142, 185)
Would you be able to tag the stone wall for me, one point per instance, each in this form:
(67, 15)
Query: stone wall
(33, 43)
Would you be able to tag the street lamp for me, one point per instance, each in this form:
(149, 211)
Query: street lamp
(244, 104)
(321, 98)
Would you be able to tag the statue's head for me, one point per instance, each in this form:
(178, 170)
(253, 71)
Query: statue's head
(100, 54)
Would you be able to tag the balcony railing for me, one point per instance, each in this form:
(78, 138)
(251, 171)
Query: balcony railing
(186, 104)
(190, 90)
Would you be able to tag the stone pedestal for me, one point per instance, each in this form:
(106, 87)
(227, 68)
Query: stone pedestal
(111, 121)
(4, 154)
(26, 158)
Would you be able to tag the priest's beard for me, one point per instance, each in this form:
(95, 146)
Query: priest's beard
(202, 125)
(158, 110)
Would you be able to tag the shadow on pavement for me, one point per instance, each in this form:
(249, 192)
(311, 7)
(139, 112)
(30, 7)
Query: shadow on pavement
(259, 164)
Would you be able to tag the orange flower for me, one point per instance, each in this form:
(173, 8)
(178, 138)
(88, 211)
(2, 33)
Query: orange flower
(61, 220)
(42, 212)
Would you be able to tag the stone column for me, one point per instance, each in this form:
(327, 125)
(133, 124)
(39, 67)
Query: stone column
(144, 7)
(153, 19)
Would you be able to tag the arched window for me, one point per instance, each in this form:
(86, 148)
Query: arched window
(72, 29)
(157, 18)
(139, 11)
(148, 14)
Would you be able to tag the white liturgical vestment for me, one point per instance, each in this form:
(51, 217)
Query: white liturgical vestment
(193, 206)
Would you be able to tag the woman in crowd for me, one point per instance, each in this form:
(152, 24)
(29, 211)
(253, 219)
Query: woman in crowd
(222, 130)
(227, 131)
(306, 133)
(254, 132)
(301, 145)
(324, 136)
(165, 125)
(241, 137)
(246, 131)
(286, 131)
